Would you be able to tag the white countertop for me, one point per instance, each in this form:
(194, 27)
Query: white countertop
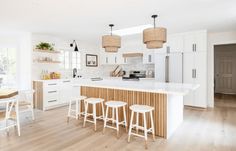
(144, 85)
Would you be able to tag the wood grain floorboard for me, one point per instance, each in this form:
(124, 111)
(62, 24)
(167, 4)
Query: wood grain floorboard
(201, 130)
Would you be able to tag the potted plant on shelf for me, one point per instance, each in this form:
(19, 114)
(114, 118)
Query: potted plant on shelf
(44, 46)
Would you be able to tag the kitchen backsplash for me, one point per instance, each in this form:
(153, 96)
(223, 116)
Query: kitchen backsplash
(133, 64)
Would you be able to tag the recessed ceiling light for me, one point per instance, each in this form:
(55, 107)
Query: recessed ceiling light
(131, 30)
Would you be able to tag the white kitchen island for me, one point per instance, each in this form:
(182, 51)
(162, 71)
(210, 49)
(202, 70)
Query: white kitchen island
(167, 98)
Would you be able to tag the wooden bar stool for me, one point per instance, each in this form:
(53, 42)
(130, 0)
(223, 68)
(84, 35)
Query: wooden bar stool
(114, 105)
(93, 102)
(75, 113)
(141, 109)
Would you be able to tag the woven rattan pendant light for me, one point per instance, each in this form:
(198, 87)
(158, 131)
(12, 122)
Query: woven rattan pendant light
(111, 43)
(154, 37)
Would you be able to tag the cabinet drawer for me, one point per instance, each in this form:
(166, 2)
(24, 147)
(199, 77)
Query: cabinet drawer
(51, 102)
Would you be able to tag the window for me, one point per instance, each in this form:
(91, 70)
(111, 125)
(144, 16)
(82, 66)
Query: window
(70, 60)
(8, 67)
(75, 60)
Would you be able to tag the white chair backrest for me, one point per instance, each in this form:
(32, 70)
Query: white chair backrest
(26, 95)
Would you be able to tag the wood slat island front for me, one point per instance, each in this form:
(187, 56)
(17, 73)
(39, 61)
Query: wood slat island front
(157, 100)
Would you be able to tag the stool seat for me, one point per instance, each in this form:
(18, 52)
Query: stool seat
(115, 103)
(94, 100)
(141, 108)
(79, 98)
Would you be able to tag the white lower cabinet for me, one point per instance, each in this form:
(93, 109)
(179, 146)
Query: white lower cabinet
(54, 93)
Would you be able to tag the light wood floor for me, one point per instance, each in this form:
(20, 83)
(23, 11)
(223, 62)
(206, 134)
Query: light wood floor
(202, 130)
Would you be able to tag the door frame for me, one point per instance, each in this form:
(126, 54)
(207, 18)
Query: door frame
(211, 60)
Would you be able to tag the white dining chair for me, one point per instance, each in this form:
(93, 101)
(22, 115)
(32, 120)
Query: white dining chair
(9, 114)
(26, 103)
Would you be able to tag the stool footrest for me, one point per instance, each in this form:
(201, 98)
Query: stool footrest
(137, 135)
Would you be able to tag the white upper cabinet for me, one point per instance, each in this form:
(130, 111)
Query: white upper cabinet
(148, 58)
(195, 41)
(175, 43)
(112, 58)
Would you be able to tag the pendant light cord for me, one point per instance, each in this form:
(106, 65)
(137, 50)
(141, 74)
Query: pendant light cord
(154, 18)
(111, 25)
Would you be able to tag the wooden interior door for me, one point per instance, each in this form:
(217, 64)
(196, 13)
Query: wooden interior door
(224, 74)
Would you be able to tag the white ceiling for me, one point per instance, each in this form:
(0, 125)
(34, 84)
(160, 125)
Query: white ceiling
(89, 19)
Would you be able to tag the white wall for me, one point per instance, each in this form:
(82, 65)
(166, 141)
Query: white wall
(22, 41)
(215, 39)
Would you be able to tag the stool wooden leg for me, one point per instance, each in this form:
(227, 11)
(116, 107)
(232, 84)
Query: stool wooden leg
(113, 115)
(117, 122)
(103, 114)
(145, 129)
(85, 113)
(68, 115)
(126, 126)
(130, 125)
(152, 124)
(94, 117)
(137, 121)
(105, 120)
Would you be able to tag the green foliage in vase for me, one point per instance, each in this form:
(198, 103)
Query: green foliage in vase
(44, 46)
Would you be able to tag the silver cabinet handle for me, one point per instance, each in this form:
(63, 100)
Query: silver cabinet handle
(106, 60)
(115, 60)
(168, 49)
(52, 101)
(52, 91)
(192, 73)
(193, 47)
(149, 58)
(66, 81)
(52, 84)
(195, 76)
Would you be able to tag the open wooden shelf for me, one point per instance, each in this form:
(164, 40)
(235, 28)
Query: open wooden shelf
(53, 62)
(46, 51)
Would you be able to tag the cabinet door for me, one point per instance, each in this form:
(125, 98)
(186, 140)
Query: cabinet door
(188, 76)
(201, 42)
(148, 58)
(201, 79)
(189, 42)
(121, 59)
(195, 42)
(160, 67)
(103, 58)
(175, 43)
(176, 67)
(66, 92)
